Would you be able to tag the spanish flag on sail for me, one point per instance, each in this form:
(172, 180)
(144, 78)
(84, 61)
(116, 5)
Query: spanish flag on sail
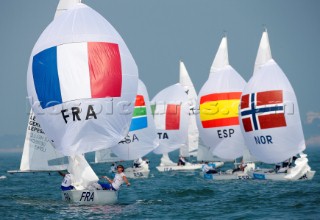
(219, 109)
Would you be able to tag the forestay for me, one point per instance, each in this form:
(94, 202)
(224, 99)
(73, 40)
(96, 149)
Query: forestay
(82, 82)
(171, 114)
(193, 134)
(218, 103)
(270, 118)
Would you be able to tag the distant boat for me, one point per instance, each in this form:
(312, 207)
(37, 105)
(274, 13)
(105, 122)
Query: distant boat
(218, 120)
(270, 119)
(140, 141)
(193, 148)
(171, 116)
(76, 74)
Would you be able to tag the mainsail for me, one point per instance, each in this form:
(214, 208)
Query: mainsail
(38, 152)
(218, 103)
(193, 134)
(82, 81)
(171, 114)
(270, 118)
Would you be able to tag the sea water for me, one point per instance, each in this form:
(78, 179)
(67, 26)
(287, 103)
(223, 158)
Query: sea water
(169, 195)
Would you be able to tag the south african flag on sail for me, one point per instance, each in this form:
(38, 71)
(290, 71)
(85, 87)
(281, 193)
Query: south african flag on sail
(139, 117)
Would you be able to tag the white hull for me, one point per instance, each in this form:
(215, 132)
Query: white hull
(187, 167)
(265, 175)
(90, 197)
(225, 176)
(179, 168)
(140, 172)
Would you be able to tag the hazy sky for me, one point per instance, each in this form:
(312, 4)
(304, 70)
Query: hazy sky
(161, 32)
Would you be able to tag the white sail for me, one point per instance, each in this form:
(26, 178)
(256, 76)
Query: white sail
(65, 5)
(82, 173)
(171, 113)
(193, 134)
(105, 156)
(218, 103)
(38, 153)
(270, 118)
(81, 81)
(204, 154)
(142, 137)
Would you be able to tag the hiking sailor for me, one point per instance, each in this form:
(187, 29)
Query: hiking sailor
(117, 181)
(181, 161)
(208, 169)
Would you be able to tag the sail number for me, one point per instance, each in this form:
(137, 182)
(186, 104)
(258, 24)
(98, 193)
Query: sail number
(66, 197)
(87, 196)
(138, 174)
(225, 133)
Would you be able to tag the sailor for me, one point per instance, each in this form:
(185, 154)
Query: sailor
(240, 167)
(118, 180)
(137, 163)
(208, 169)
(181, 161)
(292, 162)
(67, 181)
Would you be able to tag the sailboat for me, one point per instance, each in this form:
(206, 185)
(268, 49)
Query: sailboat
(193, 148)
(218, 120)
(141, 139)
(171, 116)
(270, 119)
(81, 79)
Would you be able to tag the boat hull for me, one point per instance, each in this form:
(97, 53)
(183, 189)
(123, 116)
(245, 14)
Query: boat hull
(264, 175)
(187, 167)
(134, 173)
(90, 197)
(225, 176)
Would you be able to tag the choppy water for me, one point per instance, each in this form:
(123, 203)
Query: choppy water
(175, 195)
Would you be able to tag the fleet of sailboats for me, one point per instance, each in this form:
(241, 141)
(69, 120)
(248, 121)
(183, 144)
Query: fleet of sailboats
(87, 97)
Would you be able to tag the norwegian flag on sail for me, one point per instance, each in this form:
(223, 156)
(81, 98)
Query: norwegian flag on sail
(262, 110)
